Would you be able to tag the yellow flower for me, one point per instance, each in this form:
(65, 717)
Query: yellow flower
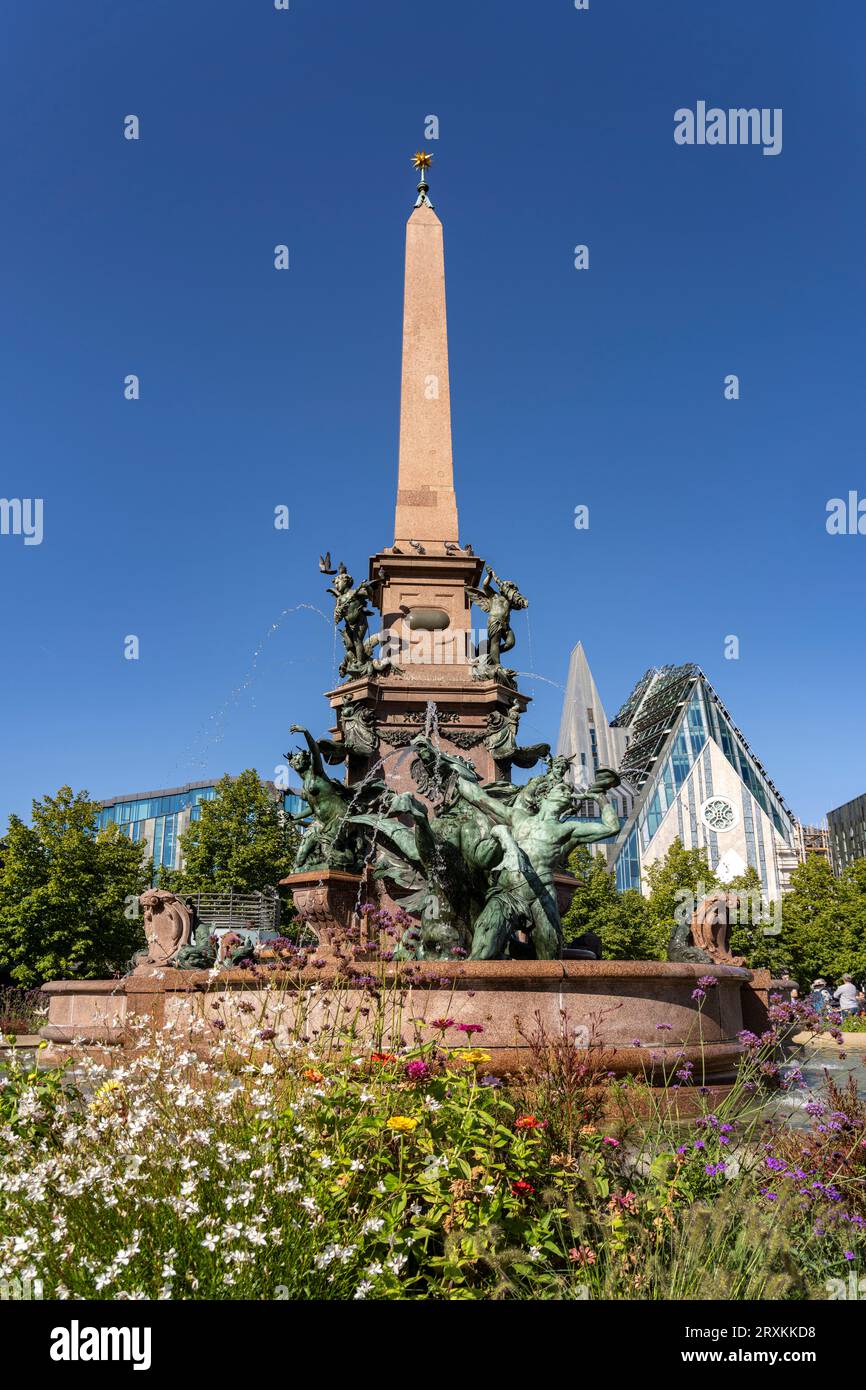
(473, 1054)
(403, 1124)
(108, 1097)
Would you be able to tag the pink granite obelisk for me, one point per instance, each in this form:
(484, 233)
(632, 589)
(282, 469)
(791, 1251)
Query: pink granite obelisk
(426, 503)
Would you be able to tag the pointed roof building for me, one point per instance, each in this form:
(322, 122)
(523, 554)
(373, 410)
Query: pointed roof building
(688, 772)
(585, 734)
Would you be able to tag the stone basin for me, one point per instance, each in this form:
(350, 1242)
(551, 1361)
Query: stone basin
(634, 1017)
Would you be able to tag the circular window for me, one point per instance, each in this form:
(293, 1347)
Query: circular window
(720, 814)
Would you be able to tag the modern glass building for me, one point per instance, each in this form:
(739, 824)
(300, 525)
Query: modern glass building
(689, 773)
(158, 819)
(847, 826)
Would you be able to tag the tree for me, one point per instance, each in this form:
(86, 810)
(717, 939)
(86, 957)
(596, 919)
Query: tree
(620, 919)
(749, 936)
(676, 883)
(824, 921)
(243, 840)
(68, 895)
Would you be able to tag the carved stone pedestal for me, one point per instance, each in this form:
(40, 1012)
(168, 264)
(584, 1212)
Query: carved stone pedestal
(328, 902)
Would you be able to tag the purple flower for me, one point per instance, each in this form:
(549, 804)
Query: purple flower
(417, 1070)
(707, 982)
(712, 1170)
(491, 1081)
(664, 1027)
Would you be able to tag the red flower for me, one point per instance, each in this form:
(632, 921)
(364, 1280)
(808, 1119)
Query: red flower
(442, 1023)
(469, 1028)
(521, 1188)
(382, 1057)
(529, 1122)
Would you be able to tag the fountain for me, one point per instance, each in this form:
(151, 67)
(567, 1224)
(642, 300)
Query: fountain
(424, 827)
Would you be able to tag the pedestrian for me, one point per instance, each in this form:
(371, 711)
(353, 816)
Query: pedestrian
(819, 995)
(848, 998)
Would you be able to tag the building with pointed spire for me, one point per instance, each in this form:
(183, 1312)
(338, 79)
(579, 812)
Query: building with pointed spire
(688, 773)
(586, 736)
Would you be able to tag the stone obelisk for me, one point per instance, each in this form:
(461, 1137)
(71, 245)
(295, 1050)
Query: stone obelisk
(426, 502)
(421, 580)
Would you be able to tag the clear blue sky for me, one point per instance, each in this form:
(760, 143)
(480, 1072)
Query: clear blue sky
(259, 388)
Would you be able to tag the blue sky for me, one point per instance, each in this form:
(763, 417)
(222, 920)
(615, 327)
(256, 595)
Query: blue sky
(260, 388)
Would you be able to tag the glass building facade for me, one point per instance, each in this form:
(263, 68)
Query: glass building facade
(668, 739)
(847, 833)
(157, 819)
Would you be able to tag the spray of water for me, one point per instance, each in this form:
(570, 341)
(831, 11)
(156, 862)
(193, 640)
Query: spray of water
(195, 753)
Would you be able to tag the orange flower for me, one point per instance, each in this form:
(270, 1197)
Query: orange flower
(529, 1122)
(312, 1075)
(382, 1057)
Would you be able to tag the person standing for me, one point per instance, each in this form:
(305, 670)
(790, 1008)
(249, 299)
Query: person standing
(848, 999)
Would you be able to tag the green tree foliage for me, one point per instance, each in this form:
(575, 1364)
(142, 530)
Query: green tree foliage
(824, 921)
(243, 840)
(676, 882)
(620, 919)
(754, 936)
(68, 906)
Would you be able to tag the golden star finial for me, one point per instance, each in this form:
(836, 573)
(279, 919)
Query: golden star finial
(422, 160)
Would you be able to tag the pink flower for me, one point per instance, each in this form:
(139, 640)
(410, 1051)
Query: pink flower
(614, 1143)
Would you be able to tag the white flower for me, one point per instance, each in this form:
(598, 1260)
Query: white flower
(210, 1242)
(396, 1262)
(374, 1223)
(363, 1288)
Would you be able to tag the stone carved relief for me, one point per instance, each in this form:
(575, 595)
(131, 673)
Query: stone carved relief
(711, 924)
(167, 924)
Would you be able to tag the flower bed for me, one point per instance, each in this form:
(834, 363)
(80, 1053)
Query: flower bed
(282, 1169)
